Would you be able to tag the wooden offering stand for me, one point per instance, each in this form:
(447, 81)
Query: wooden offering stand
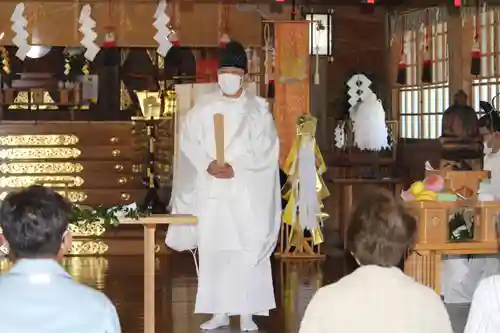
(456, 180)
(149, 224)
(432, 240)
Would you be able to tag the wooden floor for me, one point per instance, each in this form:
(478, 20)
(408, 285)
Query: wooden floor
(121, 278)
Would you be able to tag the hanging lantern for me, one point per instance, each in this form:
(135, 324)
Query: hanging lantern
(321, 32)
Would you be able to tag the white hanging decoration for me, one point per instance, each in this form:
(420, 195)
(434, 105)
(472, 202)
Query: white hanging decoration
(367, 115)
(316, 72)
(19, 24)
(87, 26)
(359, 89)
(340, 135)
(161, 24)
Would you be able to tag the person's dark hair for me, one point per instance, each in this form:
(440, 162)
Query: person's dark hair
(34, 221)
(381, 230)
(491, 121)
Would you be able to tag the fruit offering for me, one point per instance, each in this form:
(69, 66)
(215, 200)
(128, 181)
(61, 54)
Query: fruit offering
(434, 183)
(431, 188)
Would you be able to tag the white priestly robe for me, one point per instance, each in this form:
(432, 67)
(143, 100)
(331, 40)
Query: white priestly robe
(239, 218)
(484, 314)
(461, 273)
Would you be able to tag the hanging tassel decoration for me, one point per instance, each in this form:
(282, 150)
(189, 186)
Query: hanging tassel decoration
(111, 52)
(402, 66)
(224, 39)
(161, 24)
(267, 56)
(427, 65)
(19, 24)
(89, 35)
(174, 39)
(316, 71)
(475, 64)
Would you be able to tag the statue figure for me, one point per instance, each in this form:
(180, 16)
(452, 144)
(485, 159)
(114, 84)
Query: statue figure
(461, 146)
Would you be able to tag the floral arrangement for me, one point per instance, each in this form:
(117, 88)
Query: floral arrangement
(82, 215)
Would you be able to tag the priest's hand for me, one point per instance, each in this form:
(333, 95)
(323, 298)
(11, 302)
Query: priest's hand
(226, 172)
(220, 171)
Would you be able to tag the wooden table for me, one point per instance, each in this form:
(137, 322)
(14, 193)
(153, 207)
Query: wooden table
(346, 185)
(424, 263)
(149, 224)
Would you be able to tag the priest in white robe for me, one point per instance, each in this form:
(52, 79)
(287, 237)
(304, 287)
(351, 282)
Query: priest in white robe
(238, 204)
(462, 273)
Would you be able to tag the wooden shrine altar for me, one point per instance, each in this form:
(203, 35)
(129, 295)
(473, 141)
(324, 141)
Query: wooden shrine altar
(432, 240)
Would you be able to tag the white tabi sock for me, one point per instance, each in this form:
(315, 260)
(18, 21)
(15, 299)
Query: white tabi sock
(217, 321)
(247, 324)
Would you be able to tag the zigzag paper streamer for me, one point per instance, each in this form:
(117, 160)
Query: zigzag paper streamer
(89, 35)
(339, 136)
(161, 24)
(19, 24)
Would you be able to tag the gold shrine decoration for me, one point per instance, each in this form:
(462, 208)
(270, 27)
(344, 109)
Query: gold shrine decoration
(47, 181)
(291, 79)
(39, 140)
(40, 168)
(88, 247)
(293, 240)
(25, 101)
(73, 196)
(39, 153)
(87, 229)
(87, 270)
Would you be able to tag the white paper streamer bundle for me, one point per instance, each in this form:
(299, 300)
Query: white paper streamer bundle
(161, 24)
(370, 129)
(19, 24)
(367, 115)
(308, 203)
(89, 35)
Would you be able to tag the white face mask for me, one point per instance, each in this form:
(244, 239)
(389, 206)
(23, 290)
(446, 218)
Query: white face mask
(486, 150)
(229, 83)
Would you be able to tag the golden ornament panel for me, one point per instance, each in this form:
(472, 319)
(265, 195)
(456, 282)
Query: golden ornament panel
(39, 140)
(39, 153)
(40, 167)
(24, 101)
(73, 196)
(47, 181)
(88, 247)
(87, 229)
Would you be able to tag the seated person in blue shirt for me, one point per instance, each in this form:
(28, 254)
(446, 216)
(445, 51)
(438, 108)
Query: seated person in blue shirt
(37, 293)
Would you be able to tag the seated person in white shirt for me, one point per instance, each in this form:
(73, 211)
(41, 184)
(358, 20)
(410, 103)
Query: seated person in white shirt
(377, 297)
(37, 293)
(484, 314)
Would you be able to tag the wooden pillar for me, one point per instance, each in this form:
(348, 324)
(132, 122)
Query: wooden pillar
(292, 86)
(460, 34)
